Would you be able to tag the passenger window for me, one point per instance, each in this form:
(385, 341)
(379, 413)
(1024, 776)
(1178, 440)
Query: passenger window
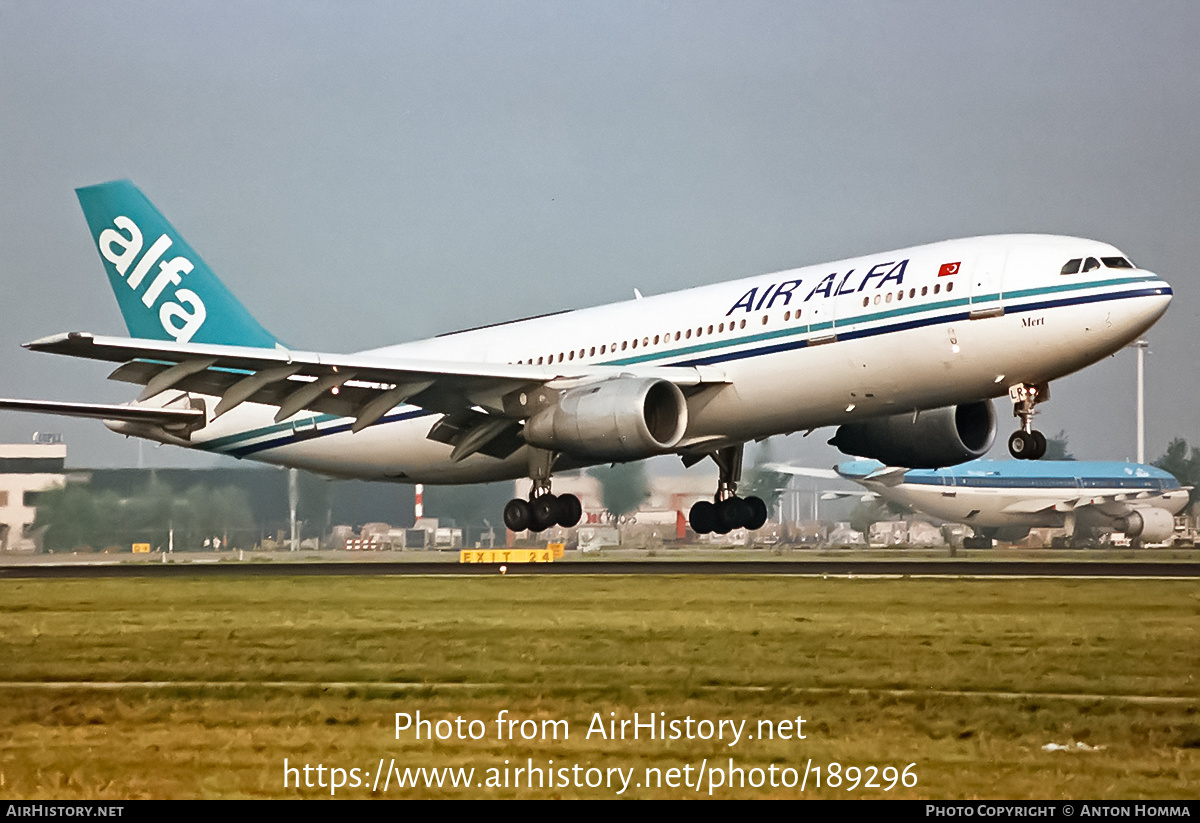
(1071, 266)
(1091, 263)
(950, 286)
(1117, 262)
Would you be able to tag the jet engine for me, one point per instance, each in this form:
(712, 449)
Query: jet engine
(625, 418)
(927, 440)
(1149, 525)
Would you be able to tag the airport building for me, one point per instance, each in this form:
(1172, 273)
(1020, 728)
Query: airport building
(26, 470)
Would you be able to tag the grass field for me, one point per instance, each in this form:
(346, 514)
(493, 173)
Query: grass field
(199, 687)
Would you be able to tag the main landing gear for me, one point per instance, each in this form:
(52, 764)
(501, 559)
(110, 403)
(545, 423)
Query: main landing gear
(728, 511)
(1027, 443)
(543, 509)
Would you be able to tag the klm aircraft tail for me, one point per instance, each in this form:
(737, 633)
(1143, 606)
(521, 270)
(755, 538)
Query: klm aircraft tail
(166, 292)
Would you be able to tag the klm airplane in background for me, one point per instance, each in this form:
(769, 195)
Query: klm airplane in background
(901, 350)
(1003, 500)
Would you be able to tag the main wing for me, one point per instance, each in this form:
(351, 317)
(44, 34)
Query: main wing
(1114, 504)
(481, 403)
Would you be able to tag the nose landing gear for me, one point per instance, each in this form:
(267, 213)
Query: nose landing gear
(1027, 443)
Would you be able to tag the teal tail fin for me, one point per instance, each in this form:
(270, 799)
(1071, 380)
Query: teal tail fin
(166, 292)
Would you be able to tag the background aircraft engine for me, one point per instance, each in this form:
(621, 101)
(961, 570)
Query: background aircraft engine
(937, 438)
(1148, 525)
(620, 419)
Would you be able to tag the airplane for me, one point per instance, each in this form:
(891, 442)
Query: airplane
(901, 350)
(1003, 500)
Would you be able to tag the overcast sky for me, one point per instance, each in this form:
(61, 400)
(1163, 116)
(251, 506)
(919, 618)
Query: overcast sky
(363, 174)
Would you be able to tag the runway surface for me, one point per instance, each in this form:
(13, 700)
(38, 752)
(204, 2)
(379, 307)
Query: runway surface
(840, 568)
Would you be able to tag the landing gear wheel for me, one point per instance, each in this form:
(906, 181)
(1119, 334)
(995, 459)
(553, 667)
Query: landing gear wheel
(1039, 445)
(544, 512)
(517, 516)
(570, 510)
(1021, 445)
(703, 517)
(758, 513)
(732, 513)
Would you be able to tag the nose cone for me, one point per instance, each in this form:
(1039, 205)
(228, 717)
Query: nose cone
(1134, 300)
(1157, 295)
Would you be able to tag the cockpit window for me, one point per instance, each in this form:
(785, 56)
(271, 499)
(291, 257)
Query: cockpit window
(1075, 264)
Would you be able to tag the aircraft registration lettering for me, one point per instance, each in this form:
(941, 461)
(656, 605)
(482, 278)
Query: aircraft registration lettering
(122, 244)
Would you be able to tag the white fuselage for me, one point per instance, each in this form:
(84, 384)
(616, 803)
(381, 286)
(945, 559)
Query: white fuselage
(918, 328)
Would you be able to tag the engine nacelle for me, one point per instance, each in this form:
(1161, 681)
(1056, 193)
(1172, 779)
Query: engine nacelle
(1149, 525)
(937, 438)
(620, 419)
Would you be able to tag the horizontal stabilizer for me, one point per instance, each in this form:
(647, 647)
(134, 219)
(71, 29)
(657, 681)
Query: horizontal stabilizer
(802, 471)
(104, 411)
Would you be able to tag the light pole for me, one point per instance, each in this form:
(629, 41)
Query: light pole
(1141, 346)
